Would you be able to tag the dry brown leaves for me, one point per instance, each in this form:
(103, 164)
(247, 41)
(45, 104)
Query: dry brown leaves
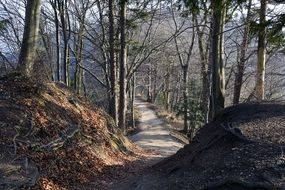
(49, 111)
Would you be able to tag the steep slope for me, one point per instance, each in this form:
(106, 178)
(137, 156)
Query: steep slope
(53, 138)
(242, 149)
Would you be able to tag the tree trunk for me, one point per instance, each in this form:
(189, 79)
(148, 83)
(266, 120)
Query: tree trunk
(149, 98)
(30, 37)
(113, 77)
(205, 72)
(154, 88)
(57, 39)
(68, 83)
(46, 43)
(123, 63)
(184, 66)
(133, 88)
(241, 63)
(64, 18)
(260, 73)
(167, 89)
(216, 56)
(79, 70)
(185, 97)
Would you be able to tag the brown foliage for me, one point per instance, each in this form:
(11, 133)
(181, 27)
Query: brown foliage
(41, 113)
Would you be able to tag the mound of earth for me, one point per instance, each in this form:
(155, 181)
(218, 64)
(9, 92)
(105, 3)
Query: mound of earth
(242, 149)
(53, 139)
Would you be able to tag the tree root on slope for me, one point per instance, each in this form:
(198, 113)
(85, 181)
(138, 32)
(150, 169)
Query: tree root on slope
(59, 142)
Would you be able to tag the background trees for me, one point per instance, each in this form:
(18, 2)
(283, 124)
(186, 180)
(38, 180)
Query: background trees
(193, 58)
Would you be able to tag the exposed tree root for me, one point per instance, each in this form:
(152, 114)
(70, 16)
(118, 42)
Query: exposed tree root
(64, 137)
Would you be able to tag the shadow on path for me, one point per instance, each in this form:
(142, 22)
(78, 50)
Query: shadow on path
(153, 135)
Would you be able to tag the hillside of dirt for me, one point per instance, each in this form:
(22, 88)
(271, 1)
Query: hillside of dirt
(53, 139)
(242, 149)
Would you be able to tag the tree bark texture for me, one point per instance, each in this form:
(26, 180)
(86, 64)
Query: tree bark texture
(113, 76)
(216, 56)
(260, 72)
(30, 37)
(123, 65)
(64, 18)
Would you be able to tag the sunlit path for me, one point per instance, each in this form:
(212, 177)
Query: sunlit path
(153, 134)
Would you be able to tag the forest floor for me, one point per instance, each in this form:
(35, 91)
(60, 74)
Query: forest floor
(241, 149)
(52, 139)
(153, 135)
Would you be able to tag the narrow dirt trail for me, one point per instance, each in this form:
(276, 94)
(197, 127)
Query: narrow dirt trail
(153, 135)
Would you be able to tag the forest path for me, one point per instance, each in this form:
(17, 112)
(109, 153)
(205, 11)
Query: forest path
(153, 135)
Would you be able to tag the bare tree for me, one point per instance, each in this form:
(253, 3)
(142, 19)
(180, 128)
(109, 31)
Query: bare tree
(184, 63)
(243, 58)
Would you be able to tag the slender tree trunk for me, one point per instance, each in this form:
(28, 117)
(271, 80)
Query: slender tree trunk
(216, 56)
(64, 18)
(154, 82)
(123, 65)
(205, 72)
(79, 70)
(184, 66)
(57, 39)
(167, 89)
(177, 97)
(68, 83)
(106, 67)
(79, 80)
(113, 77)
(260, 73)
(242, 60)
(46, 43)
(149, 84)
(30, 37)
(133, 88)
(185, 97)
